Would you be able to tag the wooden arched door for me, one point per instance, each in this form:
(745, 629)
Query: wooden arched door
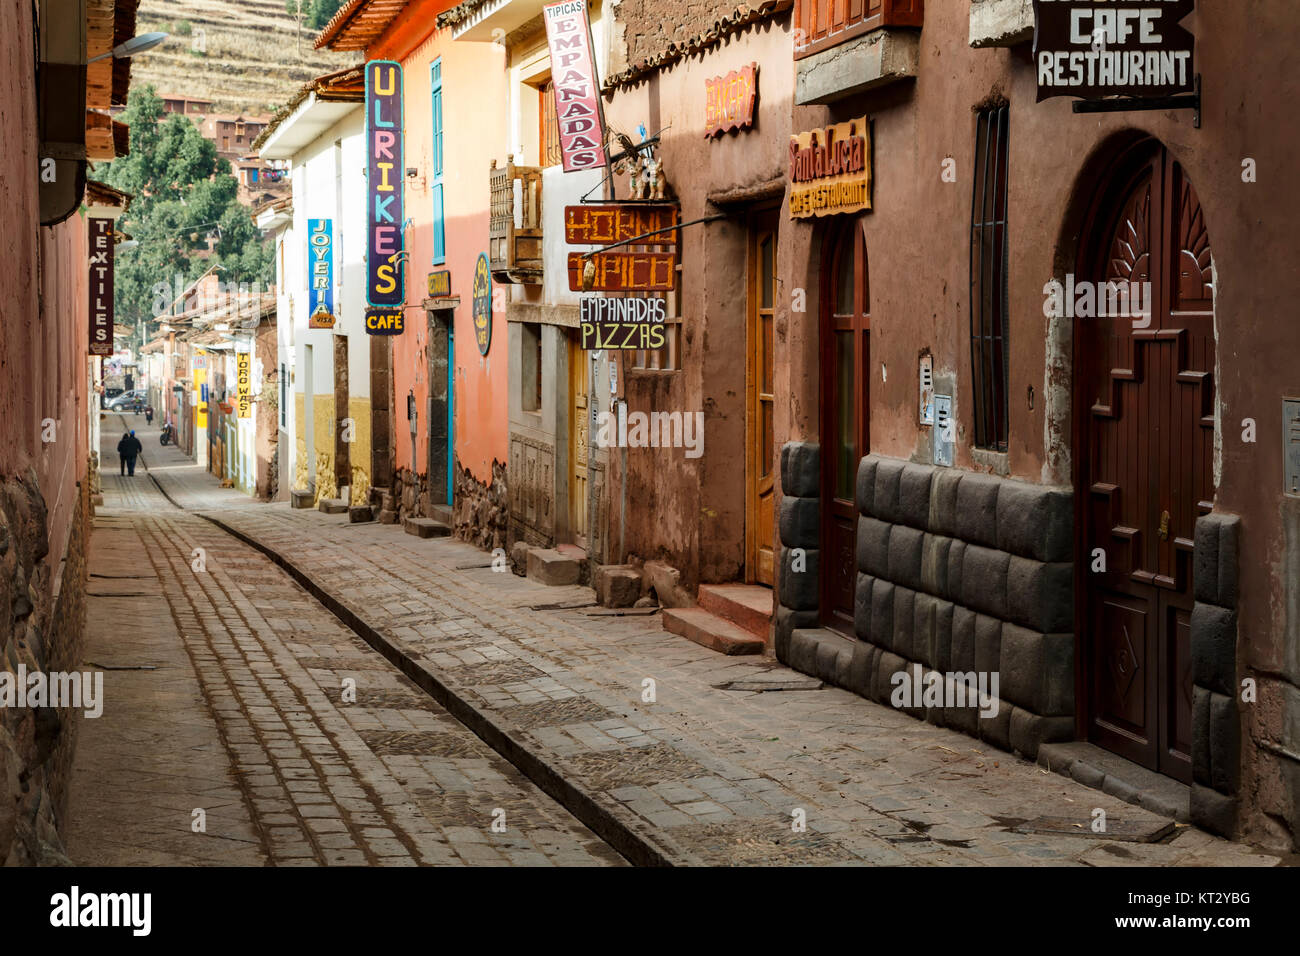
(1144, 403)
(845, 413)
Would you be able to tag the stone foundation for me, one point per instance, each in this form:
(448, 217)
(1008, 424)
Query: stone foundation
(482, 511)
(42, 626)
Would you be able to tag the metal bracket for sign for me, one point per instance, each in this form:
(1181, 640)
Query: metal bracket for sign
(1183, 101)
(655, 232)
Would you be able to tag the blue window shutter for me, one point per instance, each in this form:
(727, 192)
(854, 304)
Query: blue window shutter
(439, 237)
(439, 225)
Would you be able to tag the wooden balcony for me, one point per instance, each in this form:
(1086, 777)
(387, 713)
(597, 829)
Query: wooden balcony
(821, 24)
(515, 223)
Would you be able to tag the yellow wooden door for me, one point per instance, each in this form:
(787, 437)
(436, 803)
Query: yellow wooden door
(579, 434)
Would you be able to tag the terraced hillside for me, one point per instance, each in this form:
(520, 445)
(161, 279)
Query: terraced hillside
(244, 55)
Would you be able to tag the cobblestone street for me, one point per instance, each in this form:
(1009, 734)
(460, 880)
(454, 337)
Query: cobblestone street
(246, 718)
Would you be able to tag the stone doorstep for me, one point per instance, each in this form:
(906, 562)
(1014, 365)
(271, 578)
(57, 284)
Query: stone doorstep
(616, 585)
(333, 506)
(425, 528)
(358, 513)
(709, 630)
(552, 567)
(1110, 773)
(441, 513)
(746, 605)
(301, 499)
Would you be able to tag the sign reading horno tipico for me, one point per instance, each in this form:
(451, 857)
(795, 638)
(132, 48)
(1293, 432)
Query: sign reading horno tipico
(729, 101)
(830, 170)
(1098, 48)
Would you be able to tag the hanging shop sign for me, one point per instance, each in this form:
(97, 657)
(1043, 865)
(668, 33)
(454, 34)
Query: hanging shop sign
(602, 224)
(101, 287)
(622, 323)
(1098, 48)
(729, 101)
(578, 109)
(830, 170)
(320, 257)
(384, 285)
(481, 307)
(385, 322)
(440, 284)
(244, 384)
(623, 272)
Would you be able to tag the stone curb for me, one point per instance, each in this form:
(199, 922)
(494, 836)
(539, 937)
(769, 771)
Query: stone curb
(610, 823)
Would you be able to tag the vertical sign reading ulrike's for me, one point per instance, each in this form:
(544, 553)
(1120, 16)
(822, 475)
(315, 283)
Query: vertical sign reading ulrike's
(577, 93)
(384, 285)
(101, 287)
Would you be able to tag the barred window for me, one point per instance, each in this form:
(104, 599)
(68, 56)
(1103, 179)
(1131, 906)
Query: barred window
(989, 314)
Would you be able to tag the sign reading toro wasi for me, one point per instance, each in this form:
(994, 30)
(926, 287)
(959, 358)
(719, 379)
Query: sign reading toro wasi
(577, 93)
(1098, 48)
(384, 273)
(830, 170)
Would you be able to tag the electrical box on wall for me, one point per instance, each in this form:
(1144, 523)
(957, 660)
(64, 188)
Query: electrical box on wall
(927, 390)
(1291, 445)
(944, 430)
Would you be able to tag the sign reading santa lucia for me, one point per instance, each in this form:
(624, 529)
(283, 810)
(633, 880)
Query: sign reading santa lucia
(577, 94)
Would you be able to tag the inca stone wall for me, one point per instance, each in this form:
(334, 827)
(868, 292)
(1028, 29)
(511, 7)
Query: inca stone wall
(43, 624)
(482, 511)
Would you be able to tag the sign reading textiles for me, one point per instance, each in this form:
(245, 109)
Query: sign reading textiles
(244, 384)
(101, 287)
(1098, 48)
(830, 170)
(320, 256)
(481, 305)
(729, 101)
(384, 280)
(577, 95)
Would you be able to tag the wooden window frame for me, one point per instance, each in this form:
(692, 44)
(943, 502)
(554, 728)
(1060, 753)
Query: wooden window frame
(990, 344)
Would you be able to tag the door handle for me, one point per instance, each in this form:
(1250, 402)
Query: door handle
(1164, 526)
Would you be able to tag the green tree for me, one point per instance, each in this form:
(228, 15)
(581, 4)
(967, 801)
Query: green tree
(183, 192)
(322, 11)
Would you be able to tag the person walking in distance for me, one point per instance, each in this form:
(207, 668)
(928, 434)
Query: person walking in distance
(127, 449)
(148, 414)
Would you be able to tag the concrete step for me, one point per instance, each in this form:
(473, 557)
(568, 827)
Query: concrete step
(746, 605)
(333, 506)
(359, 513)
(711, 631)
(441, 513)
(425, 528)
(551, 567)
(301, 499)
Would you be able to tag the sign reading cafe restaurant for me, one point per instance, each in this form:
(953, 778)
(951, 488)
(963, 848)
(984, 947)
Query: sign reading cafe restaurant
(384, 130)
(830, 170)
(1098, 48)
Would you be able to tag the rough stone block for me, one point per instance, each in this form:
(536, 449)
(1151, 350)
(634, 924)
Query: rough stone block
(865, 493)
(956, 560)
(1214, 647)
(1036, 671)
(923, 610)
(801, 470)
(1213, 811)
(904, 620)
(888, 665)
(934, 565)
(997, 728)
(862, 606)
(984, 580)
(388, 517)
(800, 522)
(333, 506)
(889, 472)
(1035, 522)
(977, 509)
(914, 495)
(666, 581)
(1201, 756)
(861, 669)
(799, 589)
(988, 644)
(943, 502)
(787, 622)
(360, 513)
(1040, 596)
(550, 567)
(873, 546)
(302, 499)
(941, 638)
(1029, 731)
(962, 657)
(425, 527)
(905, 556)
(1215, 559)
(1225, 743)
(803, 651)
(882, 613)
(617, 585)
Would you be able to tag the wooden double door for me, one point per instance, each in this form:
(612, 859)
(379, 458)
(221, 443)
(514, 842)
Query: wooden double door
(760, 378)
(1144, 401)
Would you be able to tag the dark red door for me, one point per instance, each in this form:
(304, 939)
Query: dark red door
(1145, 393)
(846, 353)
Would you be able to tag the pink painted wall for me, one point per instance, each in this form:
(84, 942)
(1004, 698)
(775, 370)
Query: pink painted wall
(474, 131)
